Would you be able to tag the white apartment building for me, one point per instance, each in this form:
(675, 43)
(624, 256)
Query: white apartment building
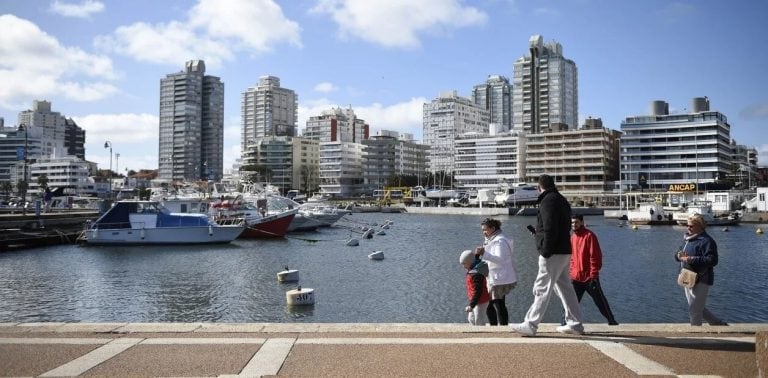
(341, 169)
(583, 160)
(486, 161)
(662, 149)
(52, 124)
(191, 133)
(13, 145)
(445, 118)
(267, 110)
(71, 174)
(545, 89)
(337, 125)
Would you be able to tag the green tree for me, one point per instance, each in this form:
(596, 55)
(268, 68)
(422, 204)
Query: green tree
(6, 188)
(42, 181)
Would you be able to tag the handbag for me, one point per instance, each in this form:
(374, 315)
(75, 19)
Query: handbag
(687, 278)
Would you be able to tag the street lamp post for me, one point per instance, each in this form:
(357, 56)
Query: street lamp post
(24, 181)
(108, 144)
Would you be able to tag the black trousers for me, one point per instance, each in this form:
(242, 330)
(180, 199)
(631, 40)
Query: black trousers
(594, 290)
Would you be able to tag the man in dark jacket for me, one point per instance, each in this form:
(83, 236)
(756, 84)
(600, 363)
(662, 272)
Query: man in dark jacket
(553, 241)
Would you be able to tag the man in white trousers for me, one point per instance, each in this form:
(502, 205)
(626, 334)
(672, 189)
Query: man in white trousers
(553, 242)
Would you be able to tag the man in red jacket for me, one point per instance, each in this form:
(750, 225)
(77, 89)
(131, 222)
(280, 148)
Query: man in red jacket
(586, 261)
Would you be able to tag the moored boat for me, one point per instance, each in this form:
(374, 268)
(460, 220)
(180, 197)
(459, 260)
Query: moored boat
(650, 213)
(705, 210)
(260, 223)
(148, 222)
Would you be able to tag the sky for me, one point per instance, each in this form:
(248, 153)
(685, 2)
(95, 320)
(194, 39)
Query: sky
(100, 62)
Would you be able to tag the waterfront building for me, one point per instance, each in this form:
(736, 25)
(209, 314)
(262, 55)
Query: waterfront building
(60, 136)
(337, 125)
(341, 169)
(545, 89)
(487, 161)
(744, 165)
(290, 162)
(14, 143)
(662, 149)
(495, 96)
(339, 133)
(72, 175)
(388, 154)
(191, 133)
(445, 118)
(267, 110)
(584, 160)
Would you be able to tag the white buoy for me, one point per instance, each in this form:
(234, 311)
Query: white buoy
(300, 297)
(288, 275)
(376, 255)
(386, 227)
(368, 234)
(759, 231)
(725, 229)
(353, 242)
(380, 232)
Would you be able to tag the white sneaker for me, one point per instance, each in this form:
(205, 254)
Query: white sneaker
(523, 329)
(578, 330)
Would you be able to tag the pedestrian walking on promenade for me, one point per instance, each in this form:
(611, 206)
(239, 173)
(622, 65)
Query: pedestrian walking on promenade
(477, 288)
(552, 232)
(498, 251)
(699, 254)
(586, 261)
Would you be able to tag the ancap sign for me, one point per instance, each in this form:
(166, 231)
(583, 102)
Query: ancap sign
(682, 188)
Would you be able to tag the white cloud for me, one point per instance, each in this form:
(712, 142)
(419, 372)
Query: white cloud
(213, 31)
(82, 10)
(397, 23)
(325, 87)
(404, 117)
(133, 136)
(35, 65)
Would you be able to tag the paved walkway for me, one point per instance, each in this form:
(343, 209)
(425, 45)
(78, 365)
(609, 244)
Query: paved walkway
(258, 349)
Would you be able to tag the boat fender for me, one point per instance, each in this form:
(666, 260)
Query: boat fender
(669, 216)
(143, 233)
(210, 230)
(658, 217)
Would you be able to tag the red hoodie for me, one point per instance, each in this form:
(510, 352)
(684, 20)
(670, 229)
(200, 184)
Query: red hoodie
(587, 258)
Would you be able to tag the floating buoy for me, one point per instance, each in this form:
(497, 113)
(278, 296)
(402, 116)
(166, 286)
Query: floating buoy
(634, 227)
(376, 255)
(368, 234)
(300, 297)
(353, 242)
(380, 232)
(759, 231)
(725, 229)
(288, 275)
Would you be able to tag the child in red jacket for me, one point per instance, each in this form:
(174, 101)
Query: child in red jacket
(477, 288)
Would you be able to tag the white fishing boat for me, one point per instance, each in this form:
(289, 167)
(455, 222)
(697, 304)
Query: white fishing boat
(649, 213)
(148, 222)
(440, 193)
(705, 210)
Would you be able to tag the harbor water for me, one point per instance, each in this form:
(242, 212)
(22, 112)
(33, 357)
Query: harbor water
(419, 280)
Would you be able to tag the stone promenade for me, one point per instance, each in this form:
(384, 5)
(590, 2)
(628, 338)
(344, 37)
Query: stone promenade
(378, 350)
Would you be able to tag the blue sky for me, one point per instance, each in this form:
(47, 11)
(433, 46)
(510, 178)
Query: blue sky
(100, 62)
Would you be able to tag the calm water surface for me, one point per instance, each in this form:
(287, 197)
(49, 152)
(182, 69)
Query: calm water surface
(420, 279)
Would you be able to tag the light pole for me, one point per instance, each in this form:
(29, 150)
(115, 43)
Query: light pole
(24, 181)
(108, 144)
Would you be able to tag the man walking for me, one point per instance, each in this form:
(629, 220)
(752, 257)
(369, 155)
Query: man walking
(553, 226)
(586, 261)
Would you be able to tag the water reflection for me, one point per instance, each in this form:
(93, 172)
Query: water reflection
(419, 281)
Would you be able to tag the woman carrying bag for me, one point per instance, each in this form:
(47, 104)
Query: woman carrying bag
(699, 254)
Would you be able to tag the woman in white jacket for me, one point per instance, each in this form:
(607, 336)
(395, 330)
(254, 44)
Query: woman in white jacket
(497, 250)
